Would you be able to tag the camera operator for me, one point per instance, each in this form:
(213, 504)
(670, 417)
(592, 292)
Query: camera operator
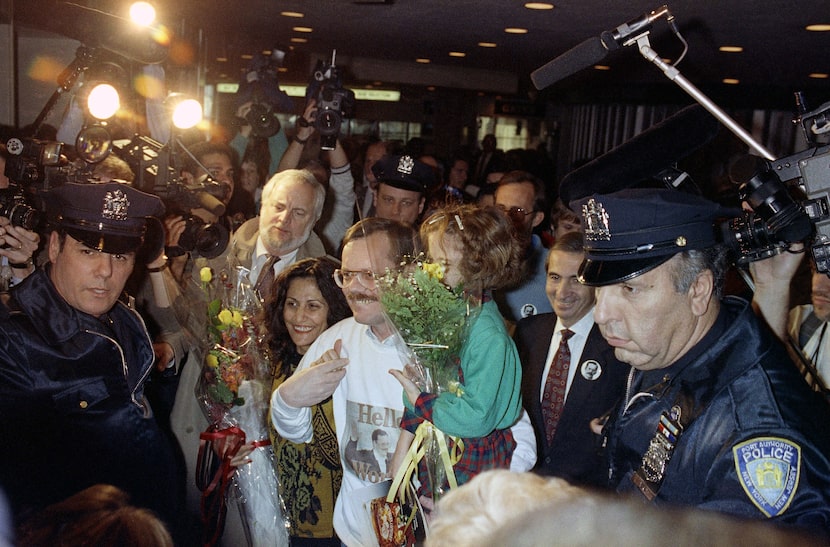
(803, 327)
(338, 210)
(17, 244)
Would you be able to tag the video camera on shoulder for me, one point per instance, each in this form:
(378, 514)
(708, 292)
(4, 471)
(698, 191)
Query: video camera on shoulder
(778, 218)
(334, 102)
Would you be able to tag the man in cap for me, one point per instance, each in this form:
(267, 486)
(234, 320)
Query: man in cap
(717, 416)
(403, 183)
(74, 359)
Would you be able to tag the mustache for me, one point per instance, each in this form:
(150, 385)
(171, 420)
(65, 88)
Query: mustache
(361, 296)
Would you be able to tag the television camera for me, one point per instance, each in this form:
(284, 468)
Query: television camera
(151, 162)
(259, 86)
(334, 102)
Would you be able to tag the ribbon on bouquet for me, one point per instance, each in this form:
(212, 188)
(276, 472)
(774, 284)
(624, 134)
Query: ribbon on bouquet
(416, 452)
(222, 445)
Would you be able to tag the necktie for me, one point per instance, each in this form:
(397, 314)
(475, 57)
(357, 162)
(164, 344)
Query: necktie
(266, 278)
(553, 398)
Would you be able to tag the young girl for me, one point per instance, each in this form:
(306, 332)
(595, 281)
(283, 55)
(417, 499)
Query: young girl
(476, 247)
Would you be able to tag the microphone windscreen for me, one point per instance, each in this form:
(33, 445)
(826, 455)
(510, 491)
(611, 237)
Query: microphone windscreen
(644, 156)
(586, 54)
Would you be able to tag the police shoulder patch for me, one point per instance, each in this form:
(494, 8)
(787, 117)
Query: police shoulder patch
(768, 469)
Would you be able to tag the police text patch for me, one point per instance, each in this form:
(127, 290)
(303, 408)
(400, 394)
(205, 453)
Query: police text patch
(768, 469)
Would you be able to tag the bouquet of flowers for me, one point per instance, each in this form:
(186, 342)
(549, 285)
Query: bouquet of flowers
(234, 392)
(431, 322)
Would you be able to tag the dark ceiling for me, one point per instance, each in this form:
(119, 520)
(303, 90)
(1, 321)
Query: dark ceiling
(377, 43)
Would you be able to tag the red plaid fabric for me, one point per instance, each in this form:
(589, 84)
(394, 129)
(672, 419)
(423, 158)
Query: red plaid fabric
(480, 454)
(553, 395)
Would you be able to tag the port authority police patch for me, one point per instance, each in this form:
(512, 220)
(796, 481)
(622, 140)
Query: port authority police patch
(768, 469)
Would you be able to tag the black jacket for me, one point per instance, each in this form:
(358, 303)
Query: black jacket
(574, 453)
(72, 408)
(757, 443)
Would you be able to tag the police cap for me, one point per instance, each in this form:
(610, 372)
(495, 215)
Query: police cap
(111, 217)
(404, 172)
(630, 232)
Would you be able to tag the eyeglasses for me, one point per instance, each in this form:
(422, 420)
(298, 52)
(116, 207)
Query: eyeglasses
(344, 277)
(516, 213)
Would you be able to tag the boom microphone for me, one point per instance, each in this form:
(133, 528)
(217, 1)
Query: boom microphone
(622, 34)
(594, 50)
(586, 54)
(644, 157)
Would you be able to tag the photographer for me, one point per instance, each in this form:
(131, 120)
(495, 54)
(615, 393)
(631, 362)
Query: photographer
(802, 328)
(338, 210)
(17, 244)
(257, 100)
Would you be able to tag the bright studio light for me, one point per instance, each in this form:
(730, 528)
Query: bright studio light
(142, 13)
(186, 113)
(103, 101)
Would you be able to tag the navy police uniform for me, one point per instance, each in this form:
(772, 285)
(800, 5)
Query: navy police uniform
(730, 426)
(71, 384)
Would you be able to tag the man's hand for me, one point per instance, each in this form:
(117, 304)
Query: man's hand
(316, 383)
(164, 354)
(410, 378)
(772, 278)
(17, 244)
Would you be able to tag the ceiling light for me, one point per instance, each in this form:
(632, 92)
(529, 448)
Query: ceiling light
(538, 5)
(514, 30)
(422, 60)
(731, 81)
(299, 40)
(292, 14)
(487, 44)
(602, 67)
(819, 75)
(246, 56)
(818, 28)
(457, 54)
(221, 59)
(302, 29)
(731, 49)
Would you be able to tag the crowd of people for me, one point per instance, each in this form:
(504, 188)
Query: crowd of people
(604, 356)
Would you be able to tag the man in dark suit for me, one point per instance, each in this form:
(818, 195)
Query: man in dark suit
(589, 384)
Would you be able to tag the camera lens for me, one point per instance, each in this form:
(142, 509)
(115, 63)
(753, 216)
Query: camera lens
(207, 240)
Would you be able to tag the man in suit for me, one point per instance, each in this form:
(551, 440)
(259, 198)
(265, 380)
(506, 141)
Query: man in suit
(590, 385)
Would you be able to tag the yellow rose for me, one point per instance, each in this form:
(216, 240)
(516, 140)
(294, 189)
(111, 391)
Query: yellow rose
(225, 316)
(205, 274)
(211, 360)
(434, 270)
(236, 319)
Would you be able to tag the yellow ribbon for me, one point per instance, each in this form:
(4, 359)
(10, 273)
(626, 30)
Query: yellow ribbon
(415, 454)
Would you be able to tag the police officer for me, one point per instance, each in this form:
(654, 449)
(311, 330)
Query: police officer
(74, 359)
(403, 184)
(717, 416)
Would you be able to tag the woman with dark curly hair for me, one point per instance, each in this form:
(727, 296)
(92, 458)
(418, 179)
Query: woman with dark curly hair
(304, 302)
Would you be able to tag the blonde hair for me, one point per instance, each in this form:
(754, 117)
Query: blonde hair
(473, 512)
